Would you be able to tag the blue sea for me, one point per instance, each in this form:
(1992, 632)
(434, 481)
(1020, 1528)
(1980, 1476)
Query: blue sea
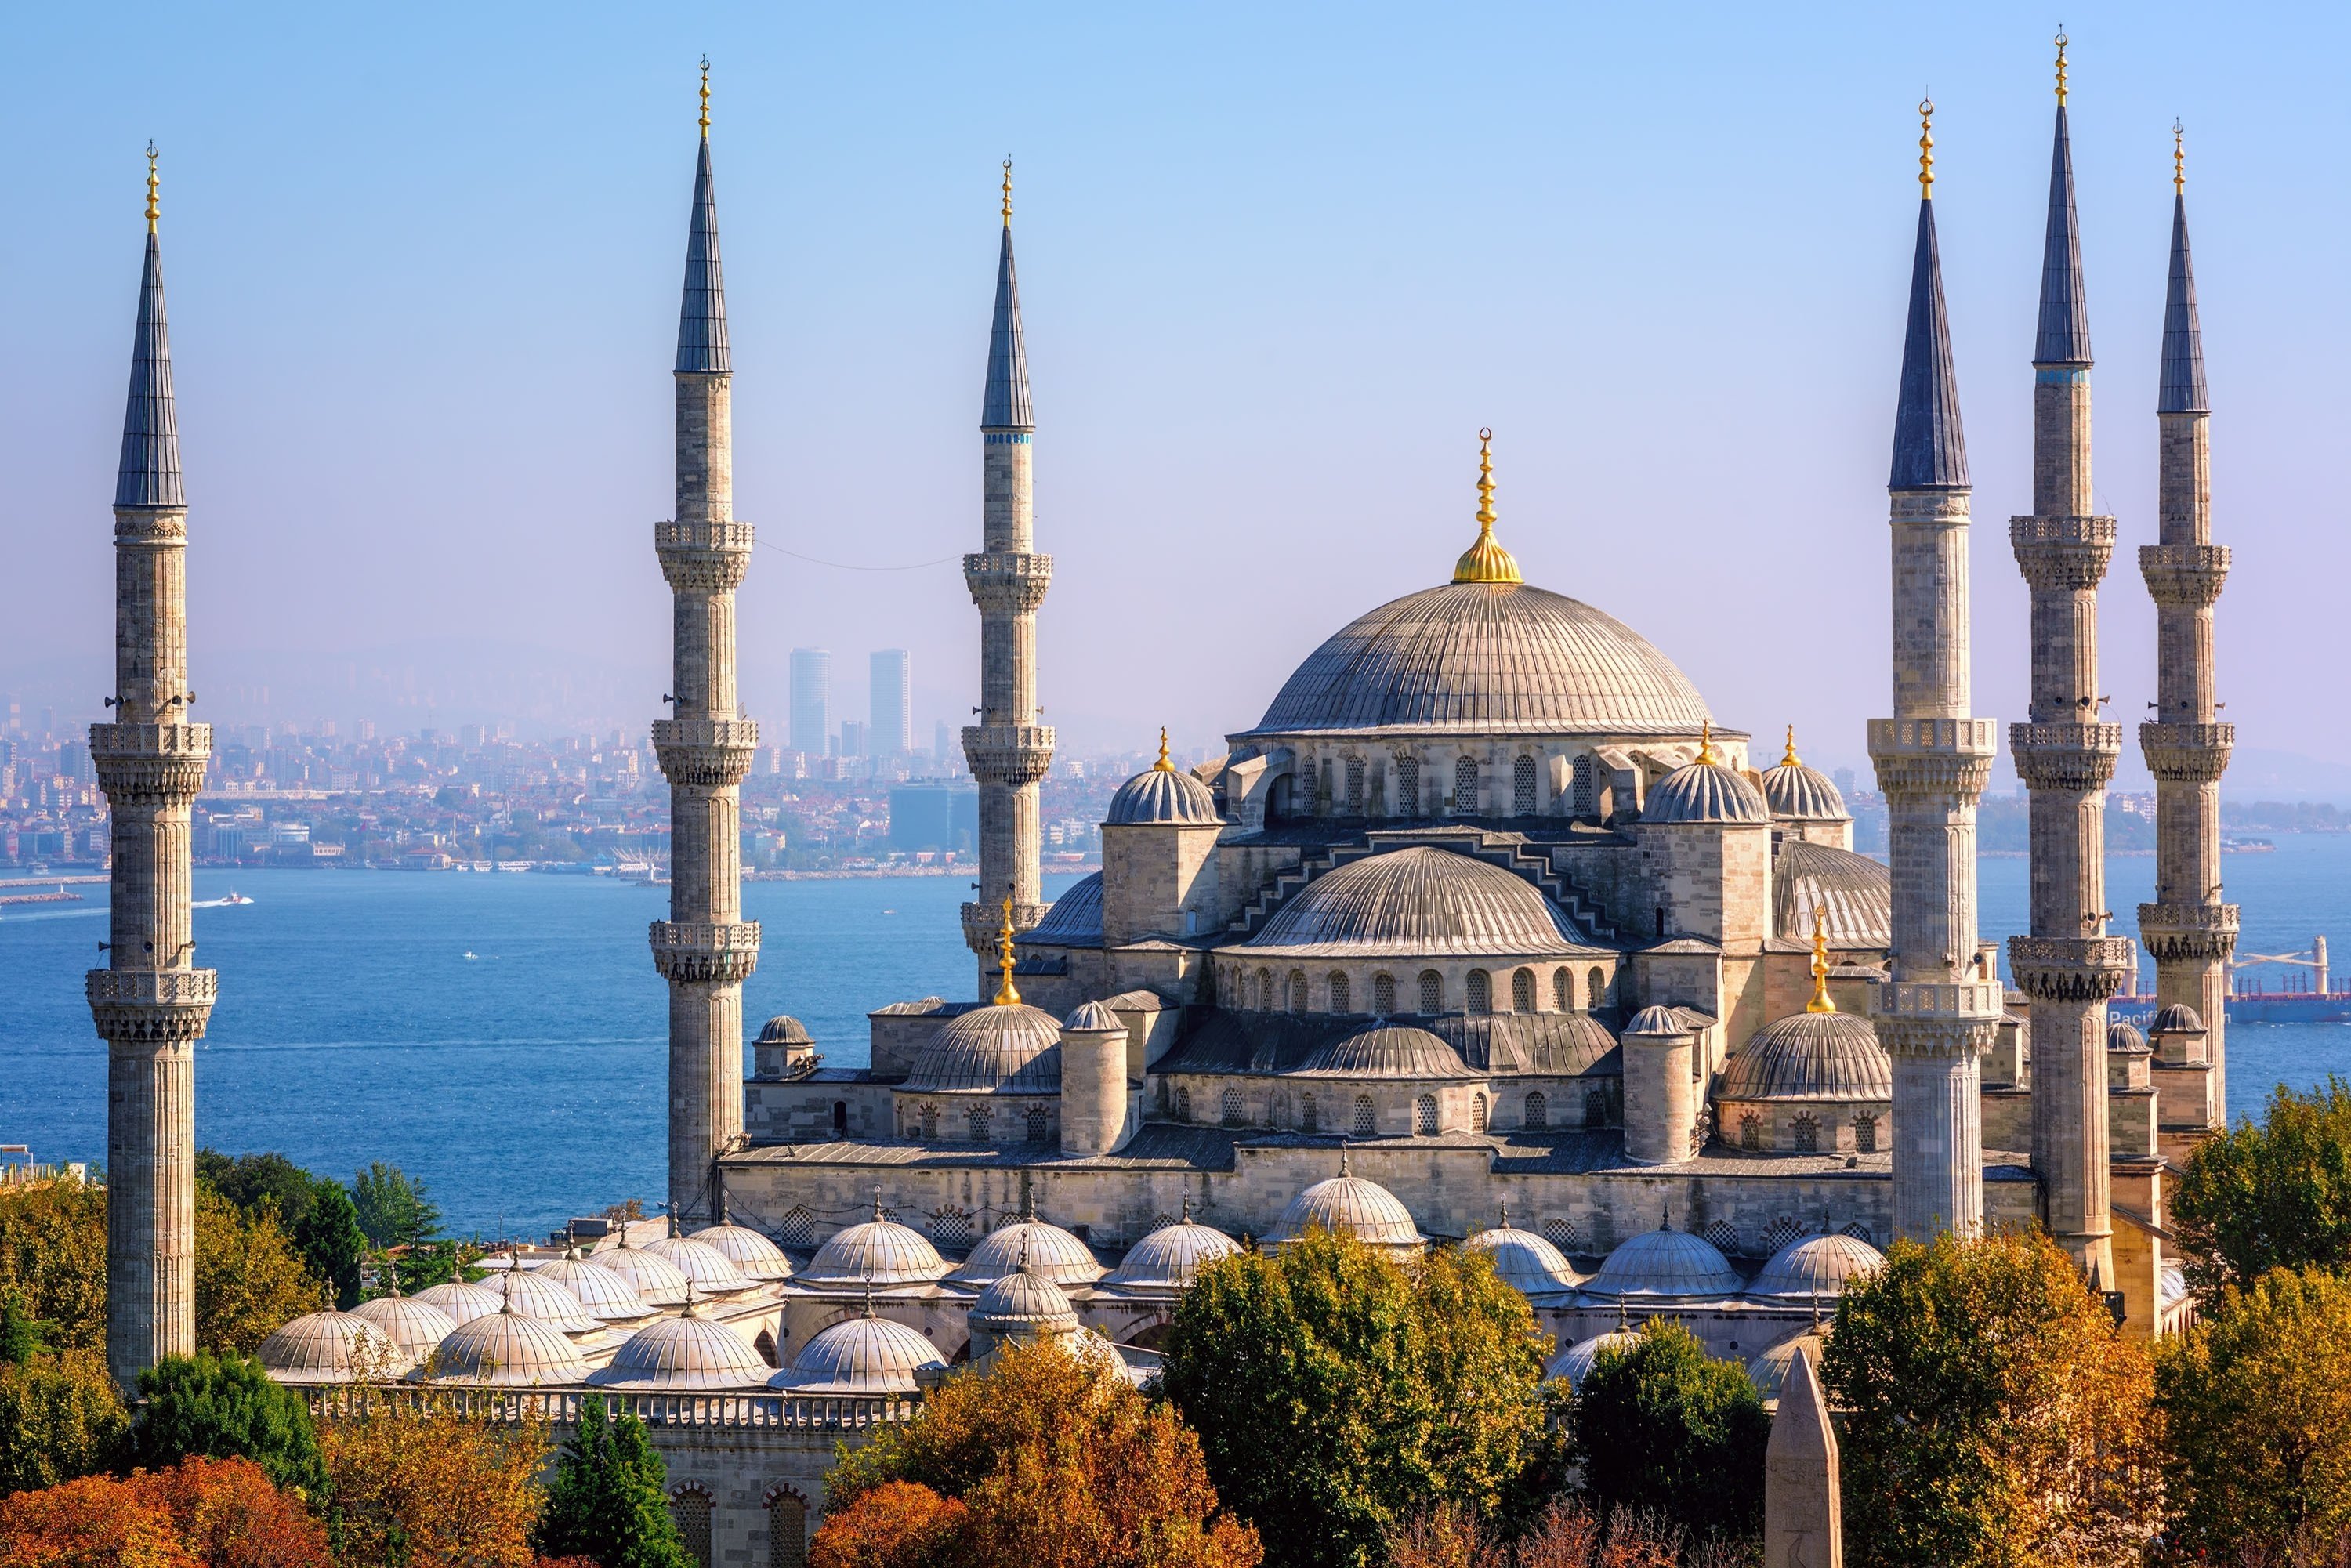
(502, 1036)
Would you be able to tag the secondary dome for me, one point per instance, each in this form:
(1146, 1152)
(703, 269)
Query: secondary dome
(1810, 1056)
(506, 1350)
(1420, 902)
(1387, 1051)
(414, 1326)
(754, 1254)
(784, 1030)
(1019, 1302)
(602, 1292)
(1074, 919)
(1350, 1206)
(1172, 1256)
(1491, 658)
(1666, 1265)
(863, 1356)
(331, 1347)
(655, 1278)
(2177, 1019)
(1815, 1269)
(1046, 1250)
(1007, 1048)
(1575, 1363)
(1163, 793)
(1704, 792)
(2122, 1036)
(545, 1300)
(1800, 793)
(1769, 1372)
(1854, 892)
(711, 1271)
(688, 1352)
(464, 1301)
(878, 1250)
(1523, 1260)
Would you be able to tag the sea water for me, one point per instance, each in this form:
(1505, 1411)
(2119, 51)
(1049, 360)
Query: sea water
(503, 1036)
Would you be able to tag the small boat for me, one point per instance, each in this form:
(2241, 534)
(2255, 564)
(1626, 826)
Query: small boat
(469, 954)
(235, 897)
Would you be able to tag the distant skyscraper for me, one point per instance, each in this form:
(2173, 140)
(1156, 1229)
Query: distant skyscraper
(891, 706)
(854, 739)
(811, 699)
(943, 746)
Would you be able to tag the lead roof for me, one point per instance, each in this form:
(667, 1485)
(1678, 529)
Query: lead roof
(2064, 335)
(2183, 342)
(149, 474)
(702, 315)
(1005, 404)
(1930, 451)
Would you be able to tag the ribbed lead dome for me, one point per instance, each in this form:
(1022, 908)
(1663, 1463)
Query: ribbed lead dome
(1856, 892)
(463, 1301)
(1810, 1056)
(1350, 1206)
(683, 1353)
(1665, 1264)
(1488, 657)
(1523, 1260)
(331, 1347)
(1163, 795)
(1008, 1048)
(1030, 1243)
(1574, 1364)
(754, 1254)
(863, 1356)
(1702, 793)
(1803, 794)
(603, 1294)
(506, 1350)
(1172, 1256)
(1815, 1269)
(1769, 1372)
(1387, 1051)
(1419, 902)
(655, 1278)
(414, 1326)
(878, 1251)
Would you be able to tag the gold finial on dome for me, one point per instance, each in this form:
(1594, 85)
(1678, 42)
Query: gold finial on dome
(1486, 561)
(1705, 756)
(1788, 758)
(1927, 149)
(1163, 765)
(1820, 1002)
(1007, 190)
(706, 97)
(1008, 994)
(2061, 41)
(2179, 160)
(152, 185)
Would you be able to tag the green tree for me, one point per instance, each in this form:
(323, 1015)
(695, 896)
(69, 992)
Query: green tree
(330, 1239)
(2257, 1404)
(226, 1407)
(608, 1498)
(260, 1183)
(391, 1207)
(1996, 1417)
(1335, 1392)
(1662, 1427)
(2275, 1196)
(60, 1421)
(22, 1335)
(249, 1278)
(53, 1253)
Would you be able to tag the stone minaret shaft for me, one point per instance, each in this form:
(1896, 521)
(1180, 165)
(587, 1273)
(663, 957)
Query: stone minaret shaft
(1937, 1014)
(2068, 967)
(2188, 929)
(150, 1002)
(1009, 750)
(705, 948)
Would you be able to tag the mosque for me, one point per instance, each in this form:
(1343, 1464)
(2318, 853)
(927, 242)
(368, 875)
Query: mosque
(1484, 933)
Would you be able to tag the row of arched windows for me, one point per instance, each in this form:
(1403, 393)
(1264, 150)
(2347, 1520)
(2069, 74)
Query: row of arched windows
(1426, 1116)
(1804, 1133)
(1357, 790)
(980, 1123)
(1292, 992)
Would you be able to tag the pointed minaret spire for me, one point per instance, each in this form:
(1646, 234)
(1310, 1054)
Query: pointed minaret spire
(1006, 403)
(149, 475)
(2063, 337)
(2183, 343)
(1930, 451)
(702, 315)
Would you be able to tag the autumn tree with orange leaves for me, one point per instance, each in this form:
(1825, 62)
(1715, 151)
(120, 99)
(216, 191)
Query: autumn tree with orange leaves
(418, 1479)
(199, 1513)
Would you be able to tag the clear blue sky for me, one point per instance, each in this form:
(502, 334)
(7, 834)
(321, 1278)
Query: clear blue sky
(1279, 265)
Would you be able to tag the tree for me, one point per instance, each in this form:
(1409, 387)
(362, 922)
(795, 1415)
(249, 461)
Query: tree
(53, 1256)
(2276, 1196)
(1335, 1392)
(1997, 1415)
(898, 1524)
(22, 1335)
(2257, 1401)
(1661, 1426)
(608, 1497)
(260, 1183)
(202, 1513)
(330, 1239)
(417, 1479)
(391, 1207)
(226, 1407)
(249, 1280)
(1056, 1462)
(59, 1419)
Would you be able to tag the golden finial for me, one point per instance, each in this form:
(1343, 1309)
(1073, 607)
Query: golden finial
(153, 183)
(2179, 161)
(1163, 765)
(1007, 190)
(1706, 743)
(706, 97)
(1788, 758)
(1486, 561)
(1820, 1002)
(1007, 995)
(2061, 41)
(1927, 149)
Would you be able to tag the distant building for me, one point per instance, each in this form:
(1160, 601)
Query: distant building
(854, 741)
(943, 747)
(891, 706)
(934, 817)
(811, 700)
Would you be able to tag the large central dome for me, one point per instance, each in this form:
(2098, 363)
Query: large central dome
(1488, 657)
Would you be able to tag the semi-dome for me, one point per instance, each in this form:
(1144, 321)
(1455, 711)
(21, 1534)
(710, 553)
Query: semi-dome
(1046, 1249)
(1704, 792)
(862, 1355)
(710, 1270)
(1575, 1363)
(1796, 792)
(1419, 902)
(414, 1326)
(549, 1302)
(1171, 1257)
(1815, 1269)
(654, 1277)
(1386, 1050)
(685, 1354)
(1769, 1372)
(1074, 919)
(1663, 1265)
(2125, 1037)
(758, 1258)
(506, 1350)
(463, 1301)
(1854, 892)
(1004, 1048)
(1350, 1206)
(1486, 658)
(880, 1250)
(784, 1030)
(1810, 1056)
(603, 1294)
(331, 1347)
(1162, 793)
(1523, 1260)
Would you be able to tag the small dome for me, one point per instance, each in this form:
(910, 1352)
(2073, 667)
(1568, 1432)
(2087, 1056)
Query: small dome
(1093, 1018)
(1576, 1362)
(1163, 794)
(549, 1302)
(2124, 1037)
(1810, 1056)
(1523, 1260)
(506, 1350)
(331, 1347)
(1666, 1265)
(711, 1270)
(1350, 1206)
(1769, 1372)
(1419, 902)
(689, 1352)
(656, 1279)
(1172, 1256)
(1021, 1301)
(1703, 793)
(414, 1326)
(1656, 1023)
(2177, 1019)
(1046, 1249)
(784, 1030)
(1854, 892)
(602, 1292)
(863, 1356)
(1387, 1051)
(880, 1250)
(1000, 1049)
(1815, 1268)
(759, 1258)
(1794, 792)
(463, 1301)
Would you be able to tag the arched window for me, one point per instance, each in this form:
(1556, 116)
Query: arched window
(1562, 989)
(840, 1118)
(950, 1226)
(1367, 1119)
(1341, 999)
(1424, 1116)
(1306, 1113)
(1596, 1107)
(1232, 1107)
(766, 1345)
(1408, 786)
(1041, 1124)
(1465, 786)
(1537, 1109)
(1864, 1135)
(1522, 787)
(690, 1507)
(930, 1123)
(977, 1117)
(1265, 991)
(1751, 1131)
(1355, 786)
(1596, 985)
(1585, 794)
(1477, 1113)
(1522, 991)
(1298, 991)
(1280, 799)
(1322, 796)
(1383, 993)
(1184, 1103)
(1432, 991)
(787, 1530)
(1481, 991)
(1806, 1133)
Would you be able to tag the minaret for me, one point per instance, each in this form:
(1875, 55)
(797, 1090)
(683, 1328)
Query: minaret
(2188, 929)
(2068, 965)
(150, 1002)
(1009, 750)
(705, 948)
(1937, 1014)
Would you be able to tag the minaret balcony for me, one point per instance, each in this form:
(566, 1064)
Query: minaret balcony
(2070, 968)
(2190, 933)
(1936, 1018)
(705, 753)
(2065, 757)
(705, 952)
(2184, 576)
(1933, 756)
(2062, 554)
(704, 534)
(1012, 754)
(1007, 583)
(983, 923)
(160, 763)
(2187, 753)
(152, 1007)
